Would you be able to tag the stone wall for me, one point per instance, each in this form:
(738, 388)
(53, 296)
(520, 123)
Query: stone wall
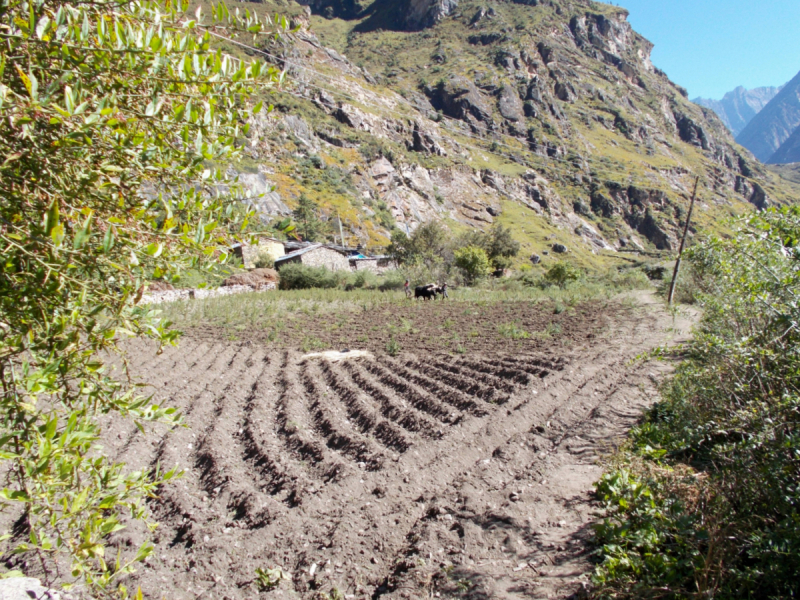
(323, 257)
(174, 295)
(376, 265)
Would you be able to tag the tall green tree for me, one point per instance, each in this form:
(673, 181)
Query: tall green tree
(429, 244)
(110, 114)
(308, 223)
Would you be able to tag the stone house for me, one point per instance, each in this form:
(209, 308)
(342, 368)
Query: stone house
(377, 264)
(249, 253)
(316, 255)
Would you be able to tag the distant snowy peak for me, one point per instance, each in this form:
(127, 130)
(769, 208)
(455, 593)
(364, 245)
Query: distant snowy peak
(738, 107)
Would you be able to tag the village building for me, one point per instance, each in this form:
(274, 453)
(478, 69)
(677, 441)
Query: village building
(316, 255)
(377, 264)
(266, 247)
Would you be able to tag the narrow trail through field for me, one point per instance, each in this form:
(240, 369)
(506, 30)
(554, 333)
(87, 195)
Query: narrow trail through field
(415, 476)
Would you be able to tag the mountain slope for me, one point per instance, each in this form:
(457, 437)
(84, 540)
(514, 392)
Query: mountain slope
(789, 152)
(774, 124)
(738, 107)
(547, 117)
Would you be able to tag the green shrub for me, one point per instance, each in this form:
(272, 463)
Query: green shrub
(264, 260)
(561, 274)
(82, 134)
(473, 262)
(729, 417)
(296, 276)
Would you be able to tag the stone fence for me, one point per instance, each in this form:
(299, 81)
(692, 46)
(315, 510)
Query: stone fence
(228, 290)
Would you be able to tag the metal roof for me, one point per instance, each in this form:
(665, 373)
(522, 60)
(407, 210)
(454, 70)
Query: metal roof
(297, 253)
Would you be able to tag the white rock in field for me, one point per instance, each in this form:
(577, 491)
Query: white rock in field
(25, 588)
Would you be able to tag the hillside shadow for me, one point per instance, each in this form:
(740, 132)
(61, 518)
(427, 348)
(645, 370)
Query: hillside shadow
(381, 15)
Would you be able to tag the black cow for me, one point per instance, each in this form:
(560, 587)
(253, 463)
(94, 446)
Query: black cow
(426, 292)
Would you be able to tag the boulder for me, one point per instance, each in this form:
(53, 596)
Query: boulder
(460, 99)
(536, 259)
(559, 248)
(510, 105)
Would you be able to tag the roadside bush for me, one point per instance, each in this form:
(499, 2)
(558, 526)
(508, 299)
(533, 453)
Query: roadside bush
(729, 417)
(392, 280)
(297, 276)
(363, 279)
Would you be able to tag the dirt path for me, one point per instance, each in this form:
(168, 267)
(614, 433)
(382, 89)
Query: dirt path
(424, 475)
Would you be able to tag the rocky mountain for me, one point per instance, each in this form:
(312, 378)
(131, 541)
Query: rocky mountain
(789, 152)
(738, 107)
(770, 128)
(544, 115)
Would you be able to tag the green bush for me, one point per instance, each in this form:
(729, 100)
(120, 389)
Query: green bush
(296, 276)
(473, 262)
(264, 260)
(729, 417)
(561, 274)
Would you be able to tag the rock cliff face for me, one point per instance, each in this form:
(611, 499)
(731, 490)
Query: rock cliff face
(419, 14)
(738, 107)
(774, 124)
(547, 116)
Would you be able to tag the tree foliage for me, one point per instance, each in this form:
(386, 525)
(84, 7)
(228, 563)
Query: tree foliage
(309, 225)
(110, 115)
(429, 245)
(473, 262)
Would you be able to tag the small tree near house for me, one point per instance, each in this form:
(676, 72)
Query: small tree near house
(310, 227)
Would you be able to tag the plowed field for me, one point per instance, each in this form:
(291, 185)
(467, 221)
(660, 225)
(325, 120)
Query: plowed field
(427, 474)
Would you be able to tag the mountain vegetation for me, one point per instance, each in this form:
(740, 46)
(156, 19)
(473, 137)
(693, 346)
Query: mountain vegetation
(546, 117)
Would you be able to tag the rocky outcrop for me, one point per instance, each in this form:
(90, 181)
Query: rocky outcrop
(419, 14)
(458, 97)
(510, 105)
(570, 82)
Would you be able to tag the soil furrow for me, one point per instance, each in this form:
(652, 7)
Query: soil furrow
(223, 474)
(262, 449)
(452, 376)
(294, 428)
(450, 394)
(418, 397)
(360, 411)
(481, 376)
(497, 370)
(340, 435)
(408, 418)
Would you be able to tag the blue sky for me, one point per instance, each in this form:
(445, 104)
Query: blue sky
(711, 46)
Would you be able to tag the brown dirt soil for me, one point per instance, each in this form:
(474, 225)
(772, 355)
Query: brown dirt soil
(428, 474)
(255, 277)
(425, 327)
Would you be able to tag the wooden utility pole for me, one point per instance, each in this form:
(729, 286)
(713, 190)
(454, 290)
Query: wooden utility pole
(683, 242)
